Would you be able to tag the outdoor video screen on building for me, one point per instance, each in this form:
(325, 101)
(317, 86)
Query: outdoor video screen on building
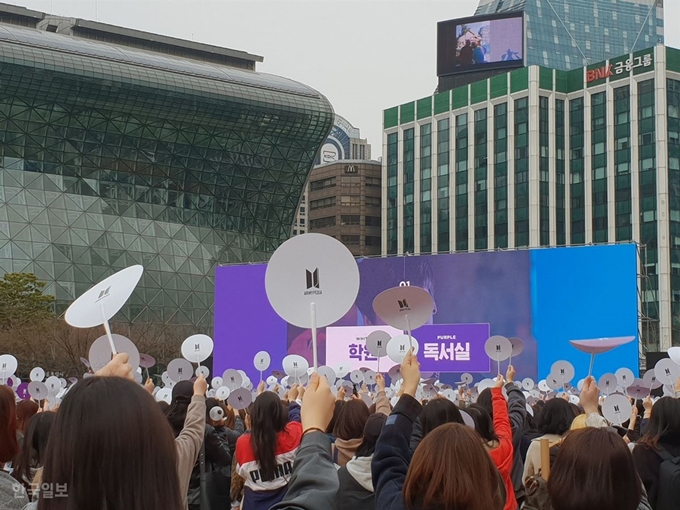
(480, 43)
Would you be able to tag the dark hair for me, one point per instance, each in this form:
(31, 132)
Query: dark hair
(181, 398)
(451, 469)
(483, 422)
(555, 417)
(594, 470)
(334, 419)
(267, 419)
(230, 417)
(26, 409)
(163, 406)
(438, 412)
(35, 444)
(351, 420)
(209, 404)
(485, 401)
(112, 448)
(372, 430)
(664, 422)
(8, 425)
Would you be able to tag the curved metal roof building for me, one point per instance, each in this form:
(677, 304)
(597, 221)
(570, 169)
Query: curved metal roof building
(112, 156)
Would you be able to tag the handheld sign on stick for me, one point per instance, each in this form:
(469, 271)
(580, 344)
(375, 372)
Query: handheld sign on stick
(100, 303)
(599, 346)
(498, 348)
(312, 281)
(197, 348)
(404, 308)
(376, 343)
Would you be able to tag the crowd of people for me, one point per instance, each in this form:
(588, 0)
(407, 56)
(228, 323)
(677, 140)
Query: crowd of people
(110, 445)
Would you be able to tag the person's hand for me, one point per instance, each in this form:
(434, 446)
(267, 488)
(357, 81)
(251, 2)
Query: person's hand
(301, 392)
(589, 396)
(341, 394)
(633, 417)
(380, 382)
(677, 387)
(648, 404)
(364, 388)
(500, 382)
(318, 404)
(117, 367)
(410, 373)
(261, 387)
(200, 386)
(149, 385)
(293, 393)
(510, 374)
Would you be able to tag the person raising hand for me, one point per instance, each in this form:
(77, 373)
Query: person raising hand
(314, 483)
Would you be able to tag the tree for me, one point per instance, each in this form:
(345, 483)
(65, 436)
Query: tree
(22, 301)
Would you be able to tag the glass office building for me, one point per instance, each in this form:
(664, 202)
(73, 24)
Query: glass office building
(568, 34)
(112, 156)
(542, 157)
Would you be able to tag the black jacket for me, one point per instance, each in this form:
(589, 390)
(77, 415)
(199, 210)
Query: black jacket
(393, 454)
(648, 463)
(355, 482)
(217, 458)
(517, 410)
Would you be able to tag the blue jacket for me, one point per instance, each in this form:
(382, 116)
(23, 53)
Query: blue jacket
(393, 454)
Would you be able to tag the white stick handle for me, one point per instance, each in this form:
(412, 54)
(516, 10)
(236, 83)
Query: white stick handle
(314, 348)
(592, 362)
(378, 360)
(108, 331)
(408, 329)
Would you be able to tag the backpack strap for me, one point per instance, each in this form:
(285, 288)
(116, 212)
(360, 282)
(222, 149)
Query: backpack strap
(664, 454)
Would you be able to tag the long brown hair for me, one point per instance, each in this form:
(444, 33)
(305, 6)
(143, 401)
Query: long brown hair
(26, 409)
(664, 424)
(111, 447)
(451, 469)
(9, 446)
(351, 420)
(594, 470)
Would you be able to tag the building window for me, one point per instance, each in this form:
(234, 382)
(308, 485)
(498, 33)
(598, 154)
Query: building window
(409, 190)
(576, 171)
(481, 171)
(350, 240)
(599, 167)
(373, 221)
(350, 219)
(392, 170)
(322, 184)
(461, 176)
(328, 221)
(373, 201)
(350, 200)
(521, 172)
(322, 203)
(372, 241)
(544, 167)
(372, 182)
(425, 188)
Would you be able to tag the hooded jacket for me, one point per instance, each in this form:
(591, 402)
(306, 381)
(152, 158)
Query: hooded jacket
(356, 487)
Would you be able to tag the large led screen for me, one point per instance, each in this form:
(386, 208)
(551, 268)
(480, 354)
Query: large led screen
(480, 43)
(545, 297)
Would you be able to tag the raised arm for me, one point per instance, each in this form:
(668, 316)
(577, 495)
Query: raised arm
(392, 452)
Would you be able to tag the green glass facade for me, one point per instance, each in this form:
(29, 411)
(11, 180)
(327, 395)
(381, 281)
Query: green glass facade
(481, 169)
(500, 158)
(673, 99)
(555, 158)
(112, 156)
